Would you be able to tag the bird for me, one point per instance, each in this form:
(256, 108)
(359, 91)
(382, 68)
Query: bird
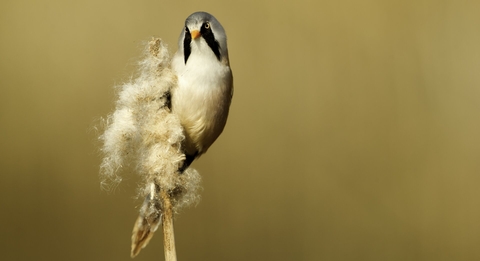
(201, 101)
(202, 98)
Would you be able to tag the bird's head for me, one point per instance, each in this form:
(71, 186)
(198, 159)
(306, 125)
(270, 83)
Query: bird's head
(203, 35)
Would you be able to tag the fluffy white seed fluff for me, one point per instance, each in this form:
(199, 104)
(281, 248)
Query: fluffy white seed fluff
(144, 132)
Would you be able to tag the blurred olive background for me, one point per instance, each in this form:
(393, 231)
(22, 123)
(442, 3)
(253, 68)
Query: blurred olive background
(354, 133)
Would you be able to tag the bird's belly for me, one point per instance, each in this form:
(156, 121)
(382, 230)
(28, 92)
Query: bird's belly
(203, 111)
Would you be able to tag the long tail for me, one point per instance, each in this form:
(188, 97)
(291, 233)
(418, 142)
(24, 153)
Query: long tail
(147, 222)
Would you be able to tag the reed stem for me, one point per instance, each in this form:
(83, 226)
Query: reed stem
(168, 232)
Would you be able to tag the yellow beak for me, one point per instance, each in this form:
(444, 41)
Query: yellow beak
(195, 34)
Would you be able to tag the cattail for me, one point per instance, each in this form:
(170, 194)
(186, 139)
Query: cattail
(143, 132)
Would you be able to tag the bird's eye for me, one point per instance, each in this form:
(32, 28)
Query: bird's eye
(186, 29)
(206, 25)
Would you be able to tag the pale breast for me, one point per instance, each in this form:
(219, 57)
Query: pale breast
(202, 100)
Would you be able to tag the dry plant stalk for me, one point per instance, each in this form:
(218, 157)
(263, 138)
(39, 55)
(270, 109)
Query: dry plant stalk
(168, 232)
(143, 131)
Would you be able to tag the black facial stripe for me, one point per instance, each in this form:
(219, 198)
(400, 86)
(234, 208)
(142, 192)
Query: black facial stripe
(186, 44)
(207, 34)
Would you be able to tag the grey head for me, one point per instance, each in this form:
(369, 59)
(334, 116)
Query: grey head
(201, 28)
